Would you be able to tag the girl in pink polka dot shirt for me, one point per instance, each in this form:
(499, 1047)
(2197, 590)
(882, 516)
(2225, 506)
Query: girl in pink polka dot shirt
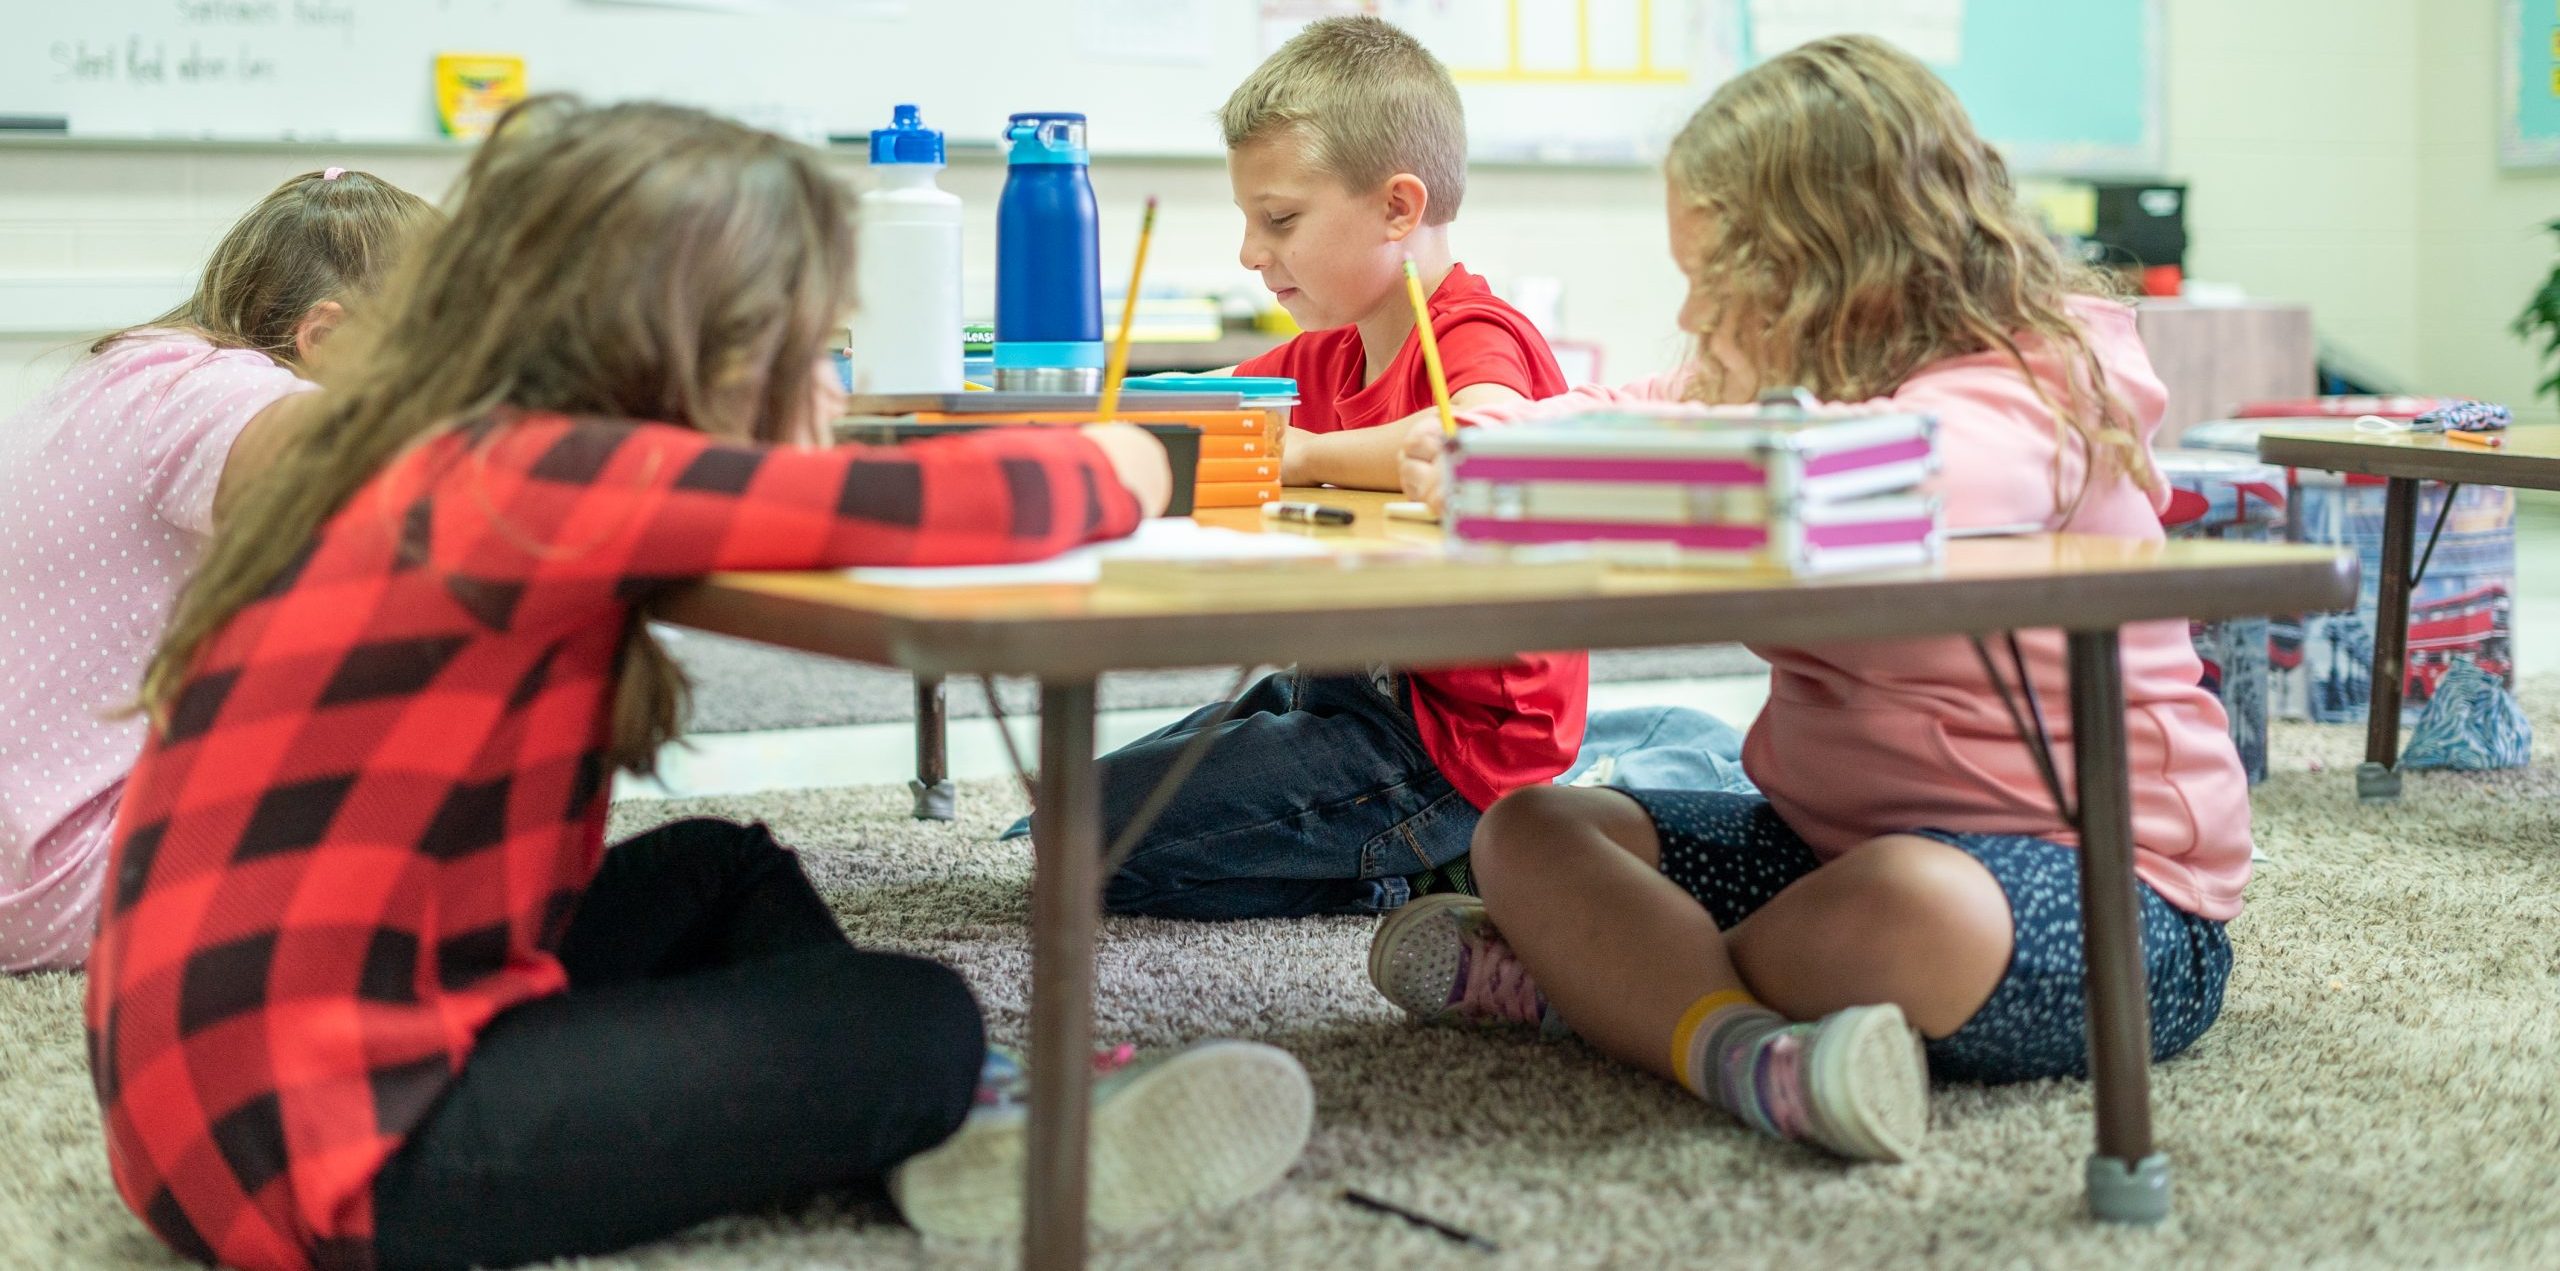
(109, 483)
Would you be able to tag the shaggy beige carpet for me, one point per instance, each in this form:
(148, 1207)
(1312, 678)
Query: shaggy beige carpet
(2383, 1089)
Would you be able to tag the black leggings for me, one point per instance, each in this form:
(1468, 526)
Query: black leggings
(721, 1048)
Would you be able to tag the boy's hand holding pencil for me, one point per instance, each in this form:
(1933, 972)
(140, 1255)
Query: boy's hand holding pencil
(1418, 467)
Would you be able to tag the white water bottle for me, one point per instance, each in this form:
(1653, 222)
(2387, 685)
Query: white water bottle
(906, 332)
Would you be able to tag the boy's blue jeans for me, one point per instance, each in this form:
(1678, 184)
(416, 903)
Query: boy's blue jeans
(1317, 797)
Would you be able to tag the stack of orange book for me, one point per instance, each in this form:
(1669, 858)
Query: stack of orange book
(1234, 494)
(1239, 449)
(1239, 459)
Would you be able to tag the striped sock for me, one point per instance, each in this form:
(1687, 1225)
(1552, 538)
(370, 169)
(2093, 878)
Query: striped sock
(1723, 1049)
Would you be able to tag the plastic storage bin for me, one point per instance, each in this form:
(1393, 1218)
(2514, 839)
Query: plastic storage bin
(2321, 664)
(1275, 393)
(2229, 496)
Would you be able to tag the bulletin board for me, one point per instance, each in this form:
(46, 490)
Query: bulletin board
(2529, 84)
(2061, 86)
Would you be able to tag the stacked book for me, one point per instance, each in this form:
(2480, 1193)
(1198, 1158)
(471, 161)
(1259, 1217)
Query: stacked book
(1788, 485)
(1239, 456)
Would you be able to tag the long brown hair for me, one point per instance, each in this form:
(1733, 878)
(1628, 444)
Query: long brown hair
(637, 261)
(1864, 230)
(318, 237)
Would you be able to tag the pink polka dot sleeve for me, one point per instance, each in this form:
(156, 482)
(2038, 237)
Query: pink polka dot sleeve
(188, 434)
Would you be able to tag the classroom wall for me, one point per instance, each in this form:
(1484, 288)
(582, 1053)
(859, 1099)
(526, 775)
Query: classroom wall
(2340, 154)
(2482, 248)
(2294, 124)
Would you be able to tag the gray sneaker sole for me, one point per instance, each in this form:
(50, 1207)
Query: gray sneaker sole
(1202, 1130)
(1870, 1084)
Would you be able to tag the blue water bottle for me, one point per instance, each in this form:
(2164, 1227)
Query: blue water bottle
(1048, 261)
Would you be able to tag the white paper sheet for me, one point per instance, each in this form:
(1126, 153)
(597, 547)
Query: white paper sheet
(1165, 538)
(1931, 30)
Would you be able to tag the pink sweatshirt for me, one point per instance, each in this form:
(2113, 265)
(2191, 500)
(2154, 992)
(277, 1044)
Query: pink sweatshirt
(1926, 736)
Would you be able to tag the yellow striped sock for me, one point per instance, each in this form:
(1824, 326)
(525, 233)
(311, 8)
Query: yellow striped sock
(1688, 1057)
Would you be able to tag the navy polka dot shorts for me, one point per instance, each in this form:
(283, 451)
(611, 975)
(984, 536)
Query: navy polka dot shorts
(1733, 853)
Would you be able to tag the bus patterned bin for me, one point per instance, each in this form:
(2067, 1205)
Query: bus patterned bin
(2321, 665)
(2214, 494)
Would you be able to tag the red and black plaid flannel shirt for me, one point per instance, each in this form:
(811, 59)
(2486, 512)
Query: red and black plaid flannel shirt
(382, 788)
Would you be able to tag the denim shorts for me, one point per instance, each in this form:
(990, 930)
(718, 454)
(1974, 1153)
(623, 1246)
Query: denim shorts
(1733, 853)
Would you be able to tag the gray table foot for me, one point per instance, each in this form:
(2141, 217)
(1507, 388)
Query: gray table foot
(2377, 783)
(939, 801)
(2129, 1192)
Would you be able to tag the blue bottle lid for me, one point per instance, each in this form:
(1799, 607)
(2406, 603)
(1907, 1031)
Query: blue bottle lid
(1046, 136)
(1250, 386)
(906, 140)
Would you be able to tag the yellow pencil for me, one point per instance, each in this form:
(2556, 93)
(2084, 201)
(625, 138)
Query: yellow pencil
(1117, 366)
(1430, 349)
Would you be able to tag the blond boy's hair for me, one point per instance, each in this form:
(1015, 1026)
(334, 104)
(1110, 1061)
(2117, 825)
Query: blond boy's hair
(1368, 101)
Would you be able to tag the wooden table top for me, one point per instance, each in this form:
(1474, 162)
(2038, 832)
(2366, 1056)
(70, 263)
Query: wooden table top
(1984, 585)
(2529, 459)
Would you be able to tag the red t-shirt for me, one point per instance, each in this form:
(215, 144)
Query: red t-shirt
(1491, 729)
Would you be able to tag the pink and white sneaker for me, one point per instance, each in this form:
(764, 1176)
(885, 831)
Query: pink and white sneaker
(1441, 960)
(1855, 1082)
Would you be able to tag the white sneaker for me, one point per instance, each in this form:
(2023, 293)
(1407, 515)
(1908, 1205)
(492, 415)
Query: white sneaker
(1866, 1083)
(1197, 1129)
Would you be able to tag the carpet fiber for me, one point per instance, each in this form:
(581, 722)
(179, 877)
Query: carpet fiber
(2380, 1090)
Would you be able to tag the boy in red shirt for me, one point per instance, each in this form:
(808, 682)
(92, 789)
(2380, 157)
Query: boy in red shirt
(1352, 793)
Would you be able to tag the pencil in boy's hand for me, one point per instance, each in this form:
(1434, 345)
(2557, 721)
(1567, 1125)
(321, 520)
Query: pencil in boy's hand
(1430, 349)
(1117, 366)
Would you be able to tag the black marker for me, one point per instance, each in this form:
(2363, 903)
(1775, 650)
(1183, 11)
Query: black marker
(1308, 513)
(1462, 1236)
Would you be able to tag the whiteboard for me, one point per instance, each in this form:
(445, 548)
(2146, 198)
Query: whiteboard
(1595, 80)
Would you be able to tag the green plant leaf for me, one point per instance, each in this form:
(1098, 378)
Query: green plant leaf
(2541, 318)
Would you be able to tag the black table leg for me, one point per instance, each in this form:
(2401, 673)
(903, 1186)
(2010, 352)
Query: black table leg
(2128, 1178)
(2378, 779)
(936, 798)
(1066, 912)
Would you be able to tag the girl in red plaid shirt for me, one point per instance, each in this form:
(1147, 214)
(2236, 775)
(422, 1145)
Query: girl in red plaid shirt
(369, 990)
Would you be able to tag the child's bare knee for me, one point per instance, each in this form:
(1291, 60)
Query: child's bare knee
(1918, 894)
(1535, 827)
(1517, 823)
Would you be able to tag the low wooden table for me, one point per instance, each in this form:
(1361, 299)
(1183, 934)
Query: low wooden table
(1067, 636)
(2529, 459)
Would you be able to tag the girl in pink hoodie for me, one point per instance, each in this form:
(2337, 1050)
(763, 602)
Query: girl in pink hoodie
(1902, 901)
